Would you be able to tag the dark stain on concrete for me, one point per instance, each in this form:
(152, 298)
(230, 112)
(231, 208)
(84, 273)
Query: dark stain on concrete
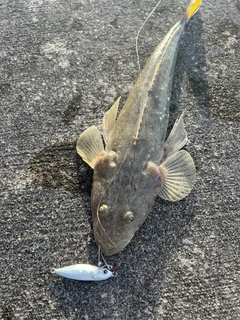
(73, 108)
(59, 167)
(77, 25)
(7, 313)
(114, 23)
(4, 87)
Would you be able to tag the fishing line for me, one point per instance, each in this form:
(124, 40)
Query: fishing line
(138, 33)
(139, 66)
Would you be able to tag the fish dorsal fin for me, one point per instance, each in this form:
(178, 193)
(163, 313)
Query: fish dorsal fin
(177, 137)
(109, 120)
(178, 176)
(90, 145)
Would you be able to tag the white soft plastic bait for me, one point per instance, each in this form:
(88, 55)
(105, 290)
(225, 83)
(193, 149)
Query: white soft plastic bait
(85, 272)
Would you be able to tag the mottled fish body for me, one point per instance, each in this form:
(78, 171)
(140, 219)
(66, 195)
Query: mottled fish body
(137, 163)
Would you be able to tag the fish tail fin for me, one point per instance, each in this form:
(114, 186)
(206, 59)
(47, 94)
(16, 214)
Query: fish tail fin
(192, 9)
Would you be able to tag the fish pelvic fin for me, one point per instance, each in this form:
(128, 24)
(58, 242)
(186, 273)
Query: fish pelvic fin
(192, 9)
(109, 120)
(177, 137)
(90, 146)
(178, 176)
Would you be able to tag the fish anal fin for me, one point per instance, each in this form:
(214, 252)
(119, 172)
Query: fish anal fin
(90, 146)
(109, 120)
(177, 137)
(178, 174)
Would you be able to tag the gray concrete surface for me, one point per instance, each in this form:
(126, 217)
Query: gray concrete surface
(63, 64)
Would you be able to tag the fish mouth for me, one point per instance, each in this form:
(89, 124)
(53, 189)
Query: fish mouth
(109, 249)
(111, 252)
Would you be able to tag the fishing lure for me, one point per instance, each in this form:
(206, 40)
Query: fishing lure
(137, 162)
(85, 272)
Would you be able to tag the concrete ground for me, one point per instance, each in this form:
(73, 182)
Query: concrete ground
(63, 64)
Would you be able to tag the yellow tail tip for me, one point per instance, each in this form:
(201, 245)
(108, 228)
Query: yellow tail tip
(193, 7)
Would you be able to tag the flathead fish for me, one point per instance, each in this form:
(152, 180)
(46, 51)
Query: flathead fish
(137, 164)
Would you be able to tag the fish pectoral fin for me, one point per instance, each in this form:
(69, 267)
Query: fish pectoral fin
(109, 120)
(177, 137)
(90, 146)
(178, 176)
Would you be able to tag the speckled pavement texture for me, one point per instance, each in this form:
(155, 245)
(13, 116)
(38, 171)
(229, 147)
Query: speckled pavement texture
(63, 64)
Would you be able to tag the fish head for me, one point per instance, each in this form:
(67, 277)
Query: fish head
(113, 225)
(120, 201)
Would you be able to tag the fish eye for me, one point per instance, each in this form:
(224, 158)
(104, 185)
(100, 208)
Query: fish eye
(103, 209)
(105, 271)
(128, 217)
